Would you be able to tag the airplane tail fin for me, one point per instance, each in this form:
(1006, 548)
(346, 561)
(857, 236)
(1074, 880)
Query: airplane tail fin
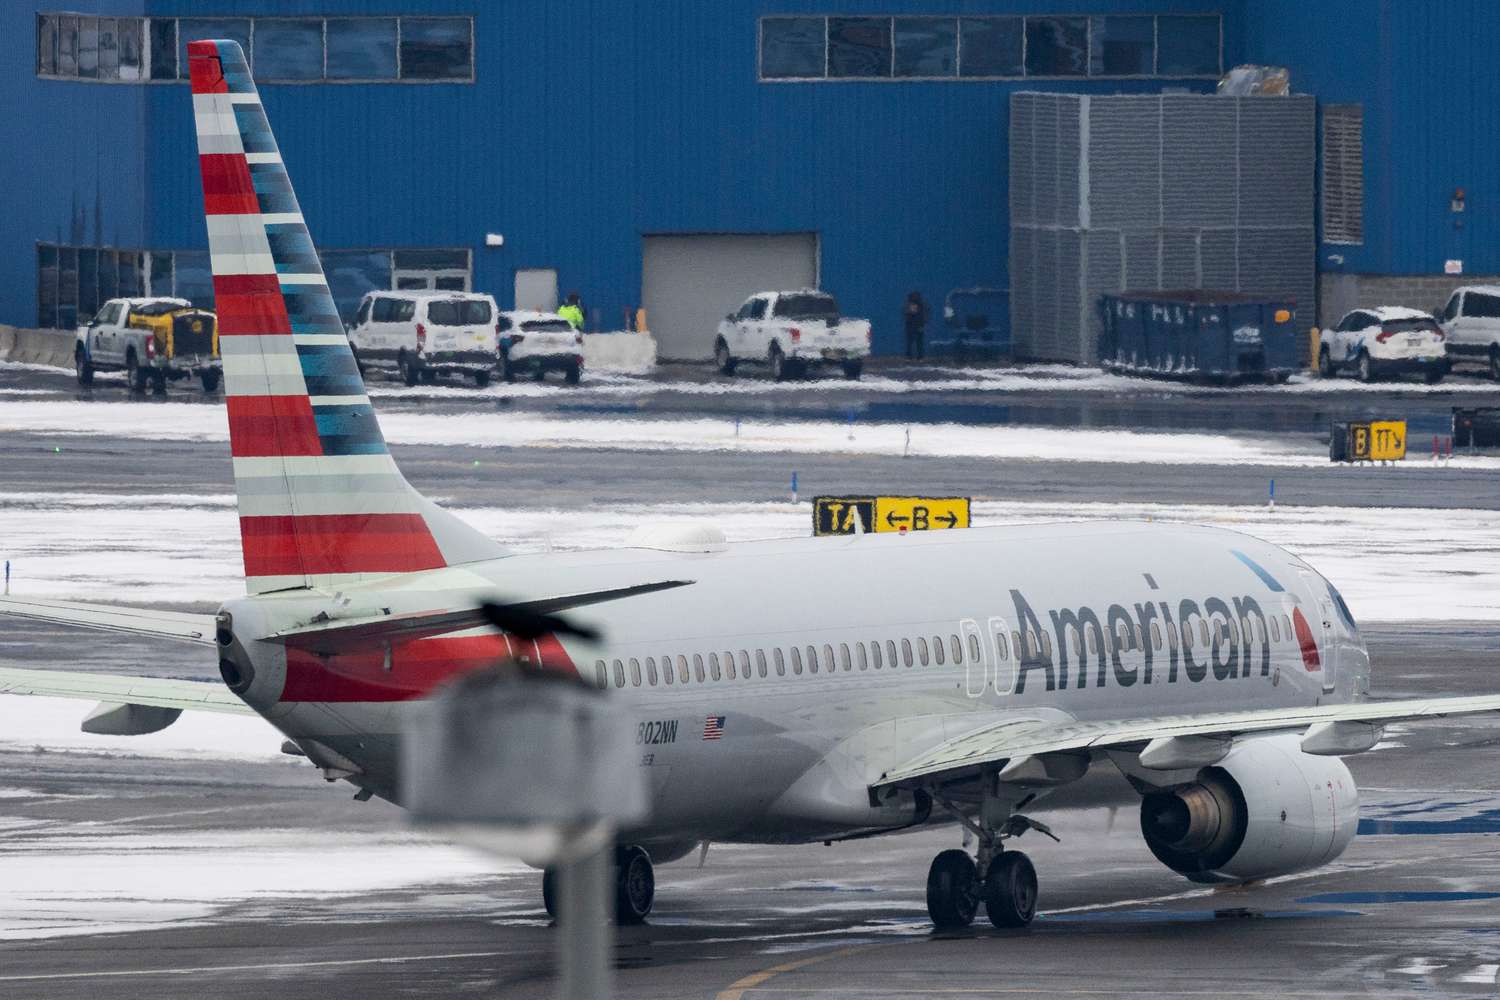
(321, 501)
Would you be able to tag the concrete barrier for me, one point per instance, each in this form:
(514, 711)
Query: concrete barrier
(37, 347)
(631, 353)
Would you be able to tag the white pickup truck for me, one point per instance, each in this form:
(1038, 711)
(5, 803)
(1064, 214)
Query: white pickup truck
(790, 331)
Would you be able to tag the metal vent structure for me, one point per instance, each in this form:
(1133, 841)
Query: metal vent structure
(1148, 192)
(1344, 174)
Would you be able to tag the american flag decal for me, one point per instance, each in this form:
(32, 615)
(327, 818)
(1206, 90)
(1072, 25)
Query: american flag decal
(713, 727)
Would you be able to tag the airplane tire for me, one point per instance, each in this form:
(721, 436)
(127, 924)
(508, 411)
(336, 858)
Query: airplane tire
(635, 885)
(952, 890)
(1010, 890)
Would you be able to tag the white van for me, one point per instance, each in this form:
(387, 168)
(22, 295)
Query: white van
(1471, 321)
(420, 335)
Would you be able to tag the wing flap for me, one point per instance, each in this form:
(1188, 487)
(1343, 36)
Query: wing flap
(113, 689)
(993, 745)
(177, 626)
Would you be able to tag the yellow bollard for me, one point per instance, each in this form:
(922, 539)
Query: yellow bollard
(1312, 355)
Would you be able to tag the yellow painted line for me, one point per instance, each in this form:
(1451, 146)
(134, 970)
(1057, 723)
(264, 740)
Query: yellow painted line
(736, 990)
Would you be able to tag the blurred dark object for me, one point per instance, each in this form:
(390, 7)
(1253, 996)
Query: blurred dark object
(976, 325)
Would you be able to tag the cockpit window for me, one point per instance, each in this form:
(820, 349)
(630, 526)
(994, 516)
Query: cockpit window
(1344, 612)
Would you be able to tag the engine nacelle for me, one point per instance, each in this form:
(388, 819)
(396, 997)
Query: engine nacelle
(1266, 809)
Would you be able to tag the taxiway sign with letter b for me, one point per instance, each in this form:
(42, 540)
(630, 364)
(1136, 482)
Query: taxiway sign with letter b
(837, 515)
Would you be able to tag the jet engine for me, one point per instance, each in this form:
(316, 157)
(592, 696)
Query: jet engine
(1266, 809)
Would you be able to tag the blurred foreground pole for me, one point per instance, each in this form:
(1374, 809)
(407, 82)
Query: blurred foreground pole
(540, 767)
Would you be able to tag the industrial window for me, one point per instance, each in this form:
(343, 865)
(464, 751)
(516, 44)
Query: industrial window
(937, 47)
(280, 49)
(925, 46)
(1122, 46)
(793, 47)
(360, 48)
(1343, 174)
(1188, 45)
(859, 46)
(1057, 46)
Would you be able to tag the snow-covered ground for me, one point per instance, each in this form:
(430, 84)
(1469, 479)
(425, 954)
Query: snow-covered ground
(1391, 564)
(184, 421)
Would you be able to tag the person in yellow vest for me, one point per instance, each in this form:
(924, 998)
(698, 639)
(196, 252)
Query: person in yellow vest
(572, 311)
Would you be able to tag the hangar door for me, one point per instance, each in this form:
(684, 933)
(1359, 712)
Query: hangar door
(688, 283)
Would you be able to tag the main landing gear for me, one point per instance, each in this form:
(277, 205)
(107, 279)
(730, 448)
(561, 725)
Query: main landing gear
(635, 886)
(1004, 881)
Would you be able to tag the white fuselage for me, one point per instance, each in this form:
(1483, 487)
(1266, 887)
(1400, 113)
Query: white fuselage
(799, 745)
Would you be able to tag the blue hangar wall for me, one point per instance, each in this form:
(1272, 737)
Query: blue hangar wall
(589, 123)
(1423, 70)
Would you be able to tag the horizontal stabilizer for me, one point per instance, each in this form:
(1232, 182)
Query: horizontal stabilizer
(116, 691)
(372, 631)
(177, 626)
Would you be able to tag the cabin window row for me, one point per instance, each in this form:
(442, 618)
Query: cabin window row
(795, 661)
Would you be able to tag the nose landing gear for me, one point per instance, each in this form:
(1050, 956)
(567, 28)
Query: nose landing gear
(1005, 881)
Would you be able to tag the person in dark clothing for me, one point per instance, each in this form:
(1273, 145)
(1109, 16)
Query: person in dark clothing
(914, 319)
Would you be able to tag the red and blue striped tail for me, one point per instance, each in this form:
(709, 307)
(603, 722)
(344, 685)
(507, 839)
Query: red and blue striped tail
(321, 502)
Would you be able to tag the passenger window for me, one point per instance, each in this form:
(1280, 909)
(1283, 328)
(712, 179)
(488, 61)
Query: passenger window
(682, 668)
(698, 667)
(1122, 632)
(780, 661)
(844, 660)
(744, 659)
(890, 651)
(1093, 639)
(906, 651)
(1203, 630)
(619, 674)
(973, 648)
(828, 658)
(601, 674)
(1001, 646)
(1047, 644)
(651, 670)
(812, 659)
(1155, 636)
(635, 672)
(1286, 626)
(796, 660)
(729, 665)
(666, 670)
(713, 666)
(864, 659)
(875, 654)
(1015, 643)
(760, 661)
(922, 654)
(1275, 629)
(1171, 636)
(1077, 642)
(937, 650)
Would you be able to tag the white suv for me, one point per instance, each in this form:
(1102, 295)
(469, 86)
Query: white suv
(423, 334)
(1472, 322)
(1386, 340)
(539, 342)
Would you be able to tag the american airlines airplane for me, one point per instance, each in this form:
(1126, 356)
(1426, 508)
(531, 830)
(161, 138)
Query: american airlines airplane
(783, 691)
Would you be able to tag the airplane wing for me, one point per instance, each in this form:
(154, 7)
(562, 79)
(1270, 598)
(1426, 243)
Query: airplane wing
(150, 692)
(372, 631)
(1168, 742)
(176, 626)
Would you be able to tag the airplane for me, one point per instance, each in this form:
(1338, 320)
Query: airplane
(785, 691)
